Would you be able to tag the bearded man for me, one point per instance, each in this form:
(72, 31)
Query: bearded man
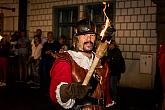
(69, 71)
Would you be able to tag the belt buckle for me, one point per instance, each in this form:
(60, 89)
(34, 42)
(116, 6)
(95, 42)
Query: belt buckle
(101, 101)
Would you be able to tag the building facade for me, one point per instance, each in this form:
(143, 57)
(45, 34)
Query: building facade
(134, 20)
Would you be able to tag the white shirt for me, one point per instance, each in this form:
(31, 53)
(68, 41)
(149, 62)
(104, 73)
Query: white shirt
(36, 51)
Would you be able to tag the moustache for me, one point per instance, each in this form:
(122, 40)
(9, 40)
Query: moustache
(89, 42)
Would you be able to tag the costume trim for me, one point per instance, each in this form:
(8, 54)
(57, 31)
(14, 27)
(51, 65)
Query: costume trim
(69, 104)
(110, 104)
(82, 60)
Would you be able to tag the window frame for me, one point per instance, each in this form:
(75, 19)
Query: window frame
(58, 23)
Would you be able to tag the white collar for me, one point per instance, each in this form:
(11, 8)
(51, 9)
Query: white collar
(82, 60)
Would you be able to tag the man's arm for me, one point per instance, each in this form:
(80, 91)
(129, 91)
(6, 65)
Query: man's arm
(62, 89)
(60, 73)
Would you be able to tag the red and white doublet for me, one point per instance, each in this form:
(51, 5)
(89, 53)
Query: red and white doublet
(71, 67)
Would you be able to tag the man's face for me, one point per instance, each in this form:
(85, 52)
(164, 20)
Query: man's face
(38, 32)
(86, 42)
(62, 41)
(111, 46)
(50, 37)
(22, 34)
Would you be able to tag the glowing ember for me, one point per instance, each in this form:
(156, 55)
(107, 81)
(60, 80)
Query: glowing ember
(107, 23)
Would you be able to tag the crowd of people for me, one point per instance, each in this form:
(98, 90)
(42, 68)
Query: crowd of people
(28, 60)
(59, 71)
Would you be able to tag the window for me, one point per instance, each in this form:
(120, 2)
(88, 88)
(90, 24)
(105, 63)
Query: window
(64, 20)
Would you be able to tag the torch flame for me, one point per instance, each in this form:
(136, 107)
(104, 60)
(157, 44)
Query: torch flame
(99, 52)
(107, 23)
(1, 37)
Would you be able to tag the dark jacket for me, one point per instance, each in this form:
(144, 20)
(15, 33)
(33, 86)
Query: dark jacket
(115, 61)
(4, 49)
(49, 47)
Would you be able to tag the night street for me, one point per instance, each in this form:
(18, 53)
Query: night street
(19, 96)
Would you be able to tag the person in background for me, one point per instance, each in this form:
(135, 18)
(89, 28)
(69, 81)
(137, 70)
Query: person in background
(62, 46)
(14, 43)
(69, 71)
(4, 57)
(34, 61)
(14, 59)
(23, 54)
(48, 51)
(39, 33)
(116, 65)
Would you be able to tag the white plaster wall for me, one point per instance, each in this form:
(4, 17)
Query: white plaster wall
(10, 18)
(136, 35)
(40, 13)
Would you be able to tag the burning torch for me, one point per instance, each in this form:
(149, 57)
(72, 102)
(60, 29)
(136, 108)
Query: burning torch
(101, 48)
(1, 37)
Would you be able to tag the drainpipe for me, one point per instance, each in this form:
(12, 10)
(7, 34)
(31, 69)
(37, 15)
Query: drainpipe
(22, 19)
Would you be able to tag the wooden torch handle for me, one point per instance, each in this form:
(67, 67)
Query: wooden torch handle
(99, 53)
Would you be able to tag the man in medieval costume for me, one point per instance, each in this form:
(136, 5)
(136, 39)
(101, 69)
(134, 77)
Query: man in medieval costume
(69, 71)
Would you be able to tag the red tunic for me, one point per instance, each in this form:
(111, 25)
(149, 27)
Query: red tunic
(60, 72)
(162, 65)
(64, 70)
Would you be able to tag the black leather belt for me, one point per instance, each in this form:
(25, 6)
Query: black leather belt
(95, 101)
(88, 101)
